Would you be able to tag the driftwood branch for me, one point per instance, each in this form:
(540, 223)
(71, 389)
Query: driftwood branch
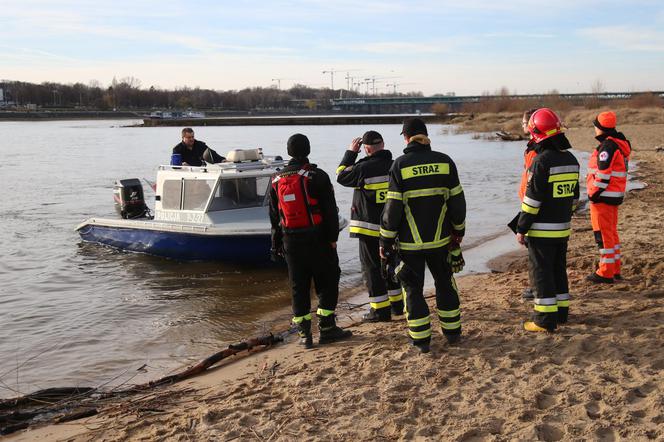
(69, 404)
(208, 362)
(509, 136)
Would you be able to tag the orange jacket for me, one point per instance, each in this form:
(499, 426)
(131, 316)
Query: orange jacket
(607, 170)
(528, 157)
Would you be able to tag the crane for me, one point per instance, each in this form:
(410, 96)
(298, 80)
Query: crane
(333, 71)
(395, 85)
(278, 80)
(349, 79)
(373, 80)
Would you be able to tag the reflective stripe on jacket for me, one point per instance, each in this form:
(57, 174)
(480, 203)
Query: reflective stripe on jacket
(553, 188)
(606, 181)
(369, 177)
(425, 201)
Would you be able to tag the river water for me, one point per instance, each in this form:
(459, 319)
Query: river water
(73, 313)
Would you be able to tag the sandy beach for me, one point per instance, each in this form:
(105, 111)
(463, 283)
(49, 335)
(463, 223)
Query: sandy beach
(600, 377)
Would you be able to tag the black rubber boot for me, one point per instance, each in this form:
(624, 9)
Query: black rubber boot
(453, 338)
(397, 308)
(563, 312)
(423, 345)
(597, 279)
(329, 331)
(304, 332)
(381, 315)
(528, 294)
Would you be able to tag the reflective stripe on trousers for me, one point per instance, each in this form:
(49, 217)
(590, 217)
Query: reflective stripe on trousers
(411, 275)
(419, 328)
(395, 295)
(604, 219)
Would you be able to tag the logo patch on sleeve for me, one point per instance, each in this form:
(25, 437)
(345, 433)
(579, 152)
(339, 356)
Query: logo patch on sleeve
(564, 189)
(603, 156)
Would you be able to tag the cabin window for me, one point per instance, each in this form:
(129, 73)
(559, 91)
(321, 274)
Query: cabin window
(171, 197)
(196, 194)
(239, 193)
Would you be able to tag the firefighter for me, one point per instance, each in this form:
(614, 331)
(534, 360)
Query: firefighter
(305, 228)
(369, 177)
(606, 184)
(545, 219)
(424, 216)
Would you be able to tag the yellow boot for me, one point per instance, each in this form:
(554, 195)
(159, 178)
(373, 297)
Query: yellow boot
(531, 326)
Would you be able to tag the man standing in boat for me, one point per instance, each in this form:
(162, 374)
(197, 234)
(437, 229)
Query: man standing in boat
(369, 177)
(305, 229)
(194, 152)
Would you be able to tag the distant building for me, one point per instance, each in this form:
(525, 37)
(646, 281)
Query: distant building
(2, 96)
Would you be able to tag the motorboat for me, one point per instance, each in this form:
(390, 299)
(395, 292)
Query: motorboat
(172, 115)
(216, 212)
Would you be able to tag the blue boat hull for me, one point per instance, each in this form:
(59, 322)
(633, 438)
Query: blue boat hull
(248, 249)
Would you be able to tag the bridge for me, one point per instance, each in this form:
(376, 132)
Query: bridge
(454, 103)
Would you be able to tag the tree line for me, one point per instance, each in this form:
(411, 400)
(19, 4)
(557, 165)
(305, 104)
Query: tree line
(127, 94)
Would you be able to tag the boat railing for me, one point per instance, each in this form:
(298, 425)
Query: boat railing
(240, 167)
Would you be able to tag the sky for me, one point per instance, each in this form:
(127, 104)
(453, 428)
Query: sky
(466, 47)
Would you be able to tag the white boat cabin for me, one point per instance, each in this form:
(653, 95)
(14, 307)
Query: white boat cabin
(234, 191)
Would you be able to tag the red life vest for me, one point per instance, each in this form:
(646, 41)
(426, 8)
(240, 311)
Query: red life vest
(297, 209)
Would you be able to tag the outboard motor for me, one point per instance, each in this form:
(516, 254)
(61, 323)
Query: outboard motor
(129, 199)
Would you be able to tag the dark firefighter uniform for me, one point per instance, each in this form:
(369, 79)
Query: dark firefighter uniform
(606, 185)
(308, 250)
(369, 177)
(425, 209)
(545, 219)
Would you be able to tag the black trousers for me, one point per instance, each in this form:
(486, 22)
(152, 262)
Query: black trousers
(531, 281)
(309, 257)
(548, 263)
(411, 275)
(381, 291)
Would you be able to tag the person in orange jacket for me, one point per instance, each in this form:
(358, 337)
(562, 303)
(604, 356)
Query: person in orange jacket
(606, 184)
(528, 157)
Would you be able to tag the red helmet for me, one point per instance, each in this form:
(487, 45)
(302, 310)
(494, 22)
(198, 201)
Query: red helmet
(543, 124)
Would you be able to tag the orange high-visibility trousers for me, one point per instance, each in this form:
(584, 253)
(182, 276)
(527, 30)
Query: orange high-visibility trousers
(604, 219)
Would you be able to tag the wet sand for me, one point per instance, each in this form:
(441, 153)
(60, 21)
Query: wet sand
(598, 378)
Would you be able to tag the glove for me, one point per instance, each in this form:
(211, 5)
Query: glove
(594, 197)
(455, 259)
(388, 264)
(277, 255)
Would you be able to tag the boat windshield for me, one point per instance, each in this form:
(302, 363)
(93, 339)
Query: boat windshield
(238, 193)
(195, 195)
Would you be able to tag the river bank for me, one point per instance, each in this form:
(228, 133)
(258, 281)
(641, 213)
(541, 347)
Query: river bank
(290, 120)
(599, 377)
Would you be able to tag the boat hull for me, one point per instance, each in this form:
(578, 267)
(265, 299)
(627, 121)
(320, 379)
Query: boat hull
(186, 246)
